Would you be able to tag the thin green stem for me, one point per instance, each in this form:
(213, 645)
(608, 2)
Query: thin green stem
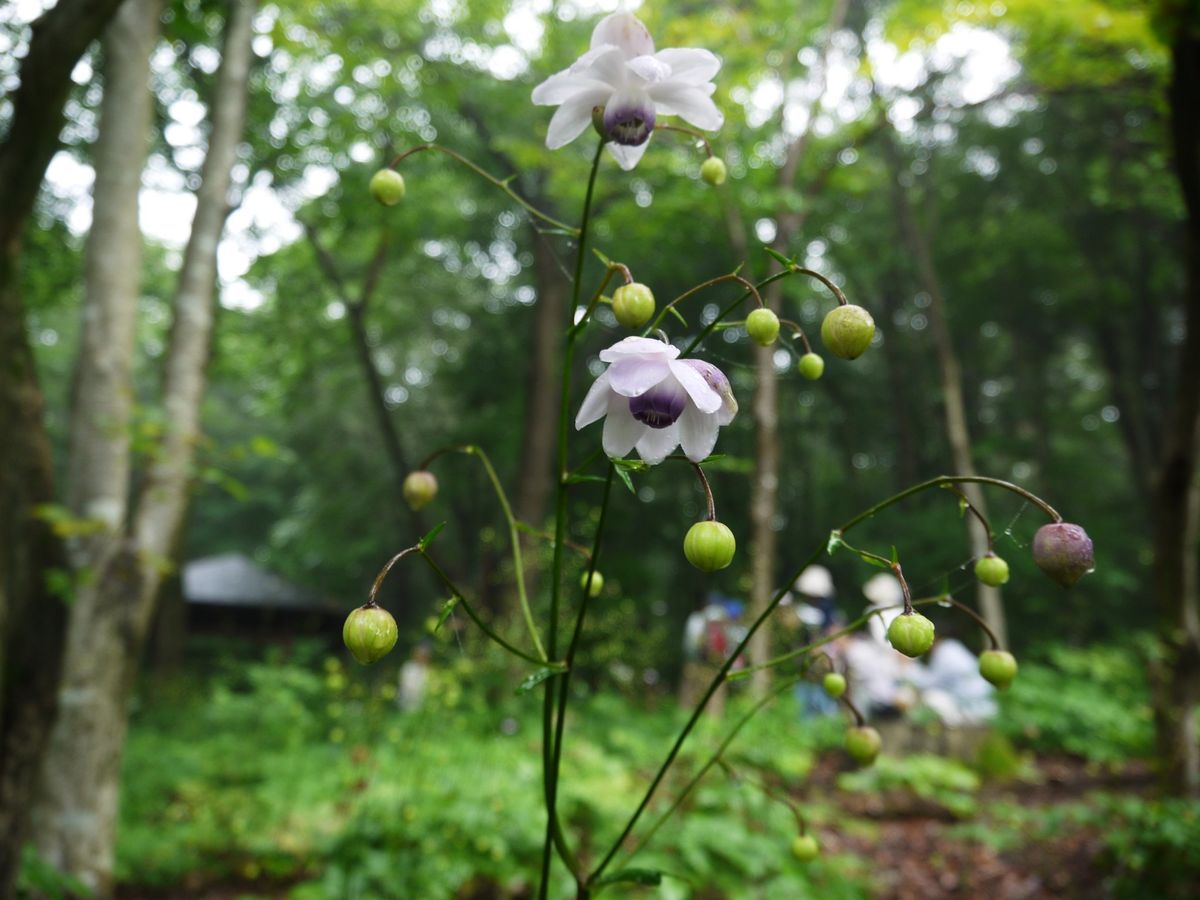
(770, 608)
(470, 611)
(711, 326)
(515, 538)
(553, 830)
(751, 291)
(501, 183)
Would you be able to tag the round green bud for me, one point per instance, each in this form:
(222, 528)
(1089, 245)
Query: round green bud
(805, 848)
(991, 570)
(387, 187)
(847, 331)
(633, 304)
(998, 666)
(370, 633)
(911, 634)
(713, 170)
(863, 744)
(1064, 552)
(763, 327)
(812, 366)
(420, 488)
(709, 546)
(597, 583)
(598, 122)
(834, 684)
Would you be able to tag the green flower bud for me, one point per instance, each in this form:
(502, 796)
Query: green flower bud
(709, 546)
(847, 331)
(863, 744)
(1064, 552)
(713, 170)
(387, 187)
(998, 666)
(763, 327)
(834, 684)
(805, 848)
(911, 634)
(597, 583)
(370, 633)
(811, 366)
(633, 304)
(992, 570)
(598, 122)
(420, 488)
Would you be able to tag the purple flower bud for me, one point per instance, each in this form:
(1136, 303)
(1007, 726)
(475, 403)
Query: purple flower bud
(1064, 552)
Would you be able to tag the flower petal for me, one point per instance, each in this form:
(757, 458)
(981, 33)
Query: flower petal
(716, 380)
(574, 116)
(633, 377)
(707, 400)
(595, 404)
(626, 31)
(628, 156)
(638, 346)
(655, 443)
(559, 87)
(697, 433)
(689, 66)
(649, 69)
(691, 103)
(621, 430)
(606, 65)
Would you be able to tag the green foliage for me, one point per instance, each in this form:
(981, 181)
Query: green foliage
(943, 782)
(1155, 846)
(1090, 702)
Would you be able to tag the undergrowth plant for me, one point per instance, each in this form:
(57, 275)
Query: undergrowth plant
(664, 400)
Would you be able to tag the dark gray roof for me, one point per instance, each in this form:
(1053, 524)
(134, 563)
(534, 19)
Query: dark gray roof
(236, 580)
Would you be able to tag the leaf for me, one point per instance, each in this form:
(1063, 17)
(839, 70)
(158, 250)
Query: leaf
(600, 256)
(538, 677)
(835, 541)
(895, 555)
(677, 314)
(780, 258)
(625, 479)
(576, 479)
(428, 539)
(633, 876)
(872, 560)
(447, 608)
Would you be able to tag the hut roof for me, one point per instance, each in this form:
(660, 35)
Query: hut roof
(232, 579)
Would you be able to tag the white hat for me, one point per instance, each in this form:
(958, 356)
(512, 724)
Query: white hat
(815, 581)
(884, 590)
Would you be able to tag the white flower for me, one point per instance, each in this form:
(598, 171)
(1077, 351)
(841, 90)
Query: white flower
(655, 402)
(622, 73)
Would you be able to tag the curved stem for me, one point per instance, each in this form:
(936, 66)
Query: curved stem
(383, 573)
(501, 183)
(768, 791)
(799, 332)
(708, 494)
(858, 716)
(751, 291)
(770, 608)
(969, 506)
(837, 291)
(711, 326)
(690, 133)
(470, 611)
(553, 830)
(978, 619)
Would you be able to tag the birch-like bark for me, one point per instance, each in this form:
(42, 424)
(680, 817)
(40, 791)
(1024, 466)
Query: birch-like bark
(32, 617)
(76, 818)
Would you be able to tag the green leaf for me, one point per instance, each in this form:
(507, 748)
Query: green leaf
(428, 539)
(447, 608)
(835, 541)
(633, 876)
(780, 258)
(600, 256)
(576, 479)
(872, 560)
(677, 314)
(538, 677)
(625, 479)
(895, 555)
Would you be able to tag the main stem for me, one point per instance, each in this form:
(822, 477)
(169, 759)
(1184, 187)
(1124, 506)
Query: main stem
(554, 834)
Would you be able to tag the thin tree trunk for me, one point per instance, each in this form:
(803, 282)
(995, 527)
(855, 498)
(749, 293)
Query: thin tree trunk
(1177, 491)
(32, 617)
(110, 619)
(953, 405)
(764, 486)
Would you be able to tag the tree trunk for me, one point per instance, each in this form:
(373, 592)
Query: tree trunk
(1177, 492)
(953, 405)
(110, 619)
(764, 486)
(32, 617)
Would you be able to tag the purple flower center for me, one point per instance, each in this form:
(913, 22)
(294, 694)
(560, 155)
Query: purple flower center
(660, 406)
(629, 123)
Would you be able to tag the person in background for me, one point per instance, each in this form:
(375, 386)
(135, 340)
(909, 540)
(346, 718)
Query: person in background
(950, 684)
(706, 644)
(816, 612)
(414, 678)
(885, 593)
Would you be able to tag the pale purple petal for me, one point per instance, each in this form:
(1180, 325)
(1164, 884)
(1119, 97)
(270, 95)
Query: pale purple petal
(638, 346)
(621, 429)
(707, 400)
(689, 66)
(697, 433)
(595, 404)
(718, 382)
(633, 377)
(626, 31)
(574, 116)
(655, 443)
(689, 102)
(627, 157)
